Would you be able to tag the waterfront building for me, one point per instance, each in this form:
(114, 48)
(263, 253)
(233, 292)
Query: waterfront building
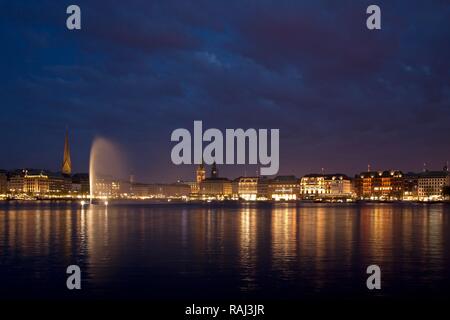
(80, 184)
(379, 185)
(410, 186)
(16, 181)
(160, 190)
(193, 185)
(215, 187)
(36, 183)
(106, 187)
(59, 184)
(200, 175)
(140, 189)
(338, 186)
(326, 186)
(251, 188)
(312, 186)
(235, 188)
(431, 184)
(218, 188)
(3, 183)
(284, 188)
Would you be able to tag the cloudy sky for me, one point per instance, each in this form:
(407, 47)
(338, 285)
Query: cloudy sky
(341, 95)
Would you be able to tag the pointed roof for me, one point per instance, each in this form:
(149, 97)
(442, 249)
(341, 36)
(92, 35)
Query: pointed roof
(67, 163)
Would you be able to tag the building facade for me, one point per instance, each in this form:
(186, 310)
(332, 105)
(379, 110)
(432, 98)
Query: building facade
(36, 184)
(338, 186)
(251, 188)
(16, 181)
(431, 185)
(411, 186)
(379, 185)
(284, 188)
(106, 187)
(80, 184)
(3, 183)
(312, 186)
(215, 187)
(326, 187)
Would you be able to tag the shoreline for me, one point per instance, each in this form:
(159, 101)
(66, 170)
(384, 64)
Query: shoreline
(172, 201)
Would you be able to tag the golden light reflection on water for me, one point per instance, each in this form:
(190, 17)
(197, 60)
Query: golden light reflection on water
(285, 242)
(247, 233)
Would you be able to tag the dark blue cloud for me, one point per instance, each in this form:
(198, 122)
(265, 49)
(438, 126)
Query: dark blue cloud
(341, 95)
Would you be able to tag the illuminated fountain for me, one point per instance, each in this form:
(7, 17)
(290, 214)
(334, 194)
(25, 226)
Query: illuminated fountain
(106, 167)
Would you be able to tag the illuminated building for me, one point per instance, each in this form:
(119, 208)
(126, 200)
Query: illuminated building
(312, 186)
(338, 186)
(200, 174)
(326, 186)
(106, 186)
(66, 167)
(432, 183)
(160, 190)
(193, 185)
(379, 185)
(36, 184)
(16, 181)
(284, 188)
(172, 190)
(59, 184)
(140, 189)
(80, 184)
(411, 186)
(215, 187)
(251, 188)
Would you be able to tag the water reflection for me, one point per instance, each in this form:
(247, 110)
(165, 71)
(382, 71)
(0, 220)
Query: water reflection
(282, 251)
(284, 241)
(248, 237)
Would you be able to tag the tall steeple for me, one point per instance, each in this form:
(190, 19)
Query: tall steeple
(201, 173)
(214, 172)
(67, 164)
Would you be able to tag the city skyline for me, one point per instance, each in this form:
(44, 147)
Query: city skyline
(378, 185)
(66, 168)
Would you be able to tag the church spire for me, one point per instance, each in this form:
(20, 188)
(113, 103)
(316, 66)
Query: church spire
(214, 172)
(67, 164)
(201, 173)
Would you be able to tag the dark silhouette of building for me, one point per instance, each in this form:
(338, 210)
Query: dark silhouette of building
(3, 182)
(214, 172)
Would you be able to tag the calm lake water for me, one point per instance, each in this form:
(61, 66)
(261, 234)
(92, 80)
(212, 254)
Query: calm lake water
(183, 251)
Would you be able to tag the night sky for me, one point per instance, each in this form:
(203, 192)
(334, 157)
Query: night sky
(341, 95)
